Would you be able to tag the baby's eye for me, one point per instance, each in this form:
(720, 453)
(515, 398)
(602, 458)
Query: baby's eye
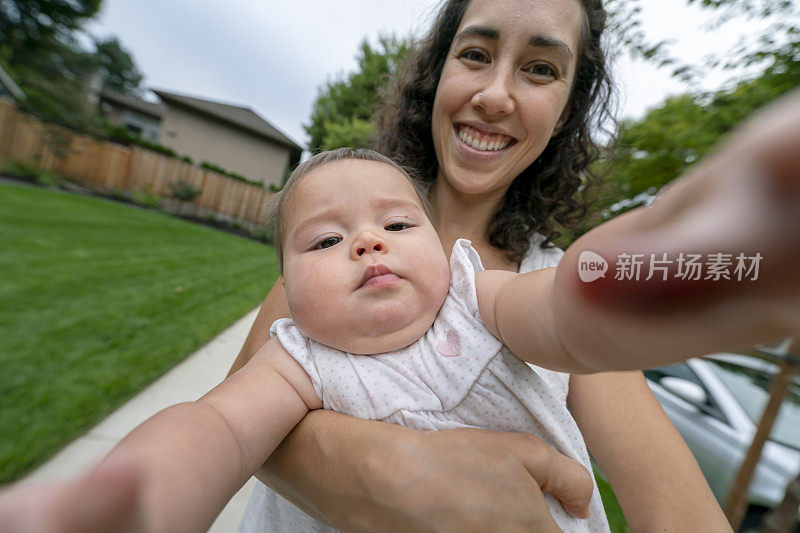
(541, 70)
(397, 226)
(327, 243)
(474, 55)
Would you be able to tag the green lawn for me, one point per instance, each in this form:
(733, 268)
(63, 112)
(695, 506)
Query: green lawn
(616, 520)
(98, 300)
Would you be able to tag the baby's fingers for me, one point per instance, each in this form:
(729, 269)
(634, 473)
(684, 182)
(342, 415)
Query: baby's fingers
(105, 500)
(772, 139)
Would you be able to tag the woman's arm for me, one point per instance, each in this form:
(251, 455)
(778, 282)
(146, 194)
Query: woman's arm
(362, 475)
(370, 476)
(654, 475)
(273, 308)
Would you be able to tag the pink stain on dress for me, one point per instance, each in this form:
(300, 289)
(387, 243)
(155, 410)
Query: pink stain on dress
(452, 346)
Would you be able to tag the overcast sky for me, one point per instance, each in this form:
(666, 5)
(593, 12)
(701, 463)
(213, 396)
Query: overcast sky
(273, 55)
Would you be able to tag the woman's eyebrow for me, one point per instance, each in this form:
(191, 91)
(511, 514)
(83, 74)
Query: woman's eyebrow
(478, 31)
(536, 41)
(543, 41)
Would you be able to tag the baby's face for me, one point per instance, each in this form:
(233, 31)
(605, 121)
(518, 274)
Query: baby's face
(364, 270)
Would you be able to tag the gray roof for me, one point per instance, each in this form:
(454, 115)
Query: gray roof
(148, 108)
(243, 117)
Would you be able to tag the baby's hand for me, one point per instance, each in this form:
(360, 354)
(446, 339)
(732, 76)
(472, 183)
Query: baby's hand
(730, 228)
(711, 265)
(104, 500)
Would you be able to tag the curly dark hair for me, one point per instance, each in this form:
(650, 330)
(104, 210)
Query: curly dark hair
(553, 188)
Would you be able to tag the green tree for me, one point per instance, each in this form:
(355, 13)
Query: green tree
(781, 30)
(116, 67)
(27, 25)
(661, 146)
(54, 80)
(41, 51)
(344, 106)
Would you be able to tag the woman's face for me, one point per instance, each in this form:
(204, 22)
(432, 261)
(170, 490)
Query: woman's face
(504, 90)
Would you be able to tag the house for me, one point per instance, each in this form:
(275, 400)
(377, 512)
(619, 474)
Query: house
(233, 137)
(8, 88)
(138, 116)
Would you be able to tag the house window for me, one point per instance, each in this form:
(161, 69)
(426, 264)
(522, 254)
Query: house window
(136, 130)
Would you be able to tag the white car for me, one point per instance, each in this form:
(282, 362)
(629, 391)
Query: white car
(716, 402)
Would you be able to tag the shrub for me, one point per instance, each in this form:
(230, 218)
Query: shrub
(122, 135)
(215, 168)
(219, 170)
(21, 169)
(262, 234)
(146, 198)
(183, 190)
(29, 172)
(236, 224)
(117, 193)
(48, 179)
(187, 159)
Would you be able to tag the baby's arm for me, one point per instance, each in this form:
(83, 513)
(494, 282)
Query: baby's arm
(191, 458)
(742, 199)
(518, 309)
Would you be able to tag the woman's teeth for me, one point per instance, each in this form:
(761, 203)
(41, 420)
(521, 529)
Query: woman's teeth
(481, 141)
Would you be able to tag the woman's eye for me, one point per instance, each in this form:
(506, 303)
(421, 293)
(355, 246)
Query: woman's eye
(475, 55)
(541, 70)
(327, 243)
(397, 226)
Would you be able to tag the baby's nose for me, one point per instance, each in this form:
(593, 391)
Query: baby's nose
(377, 247)
(368, 242)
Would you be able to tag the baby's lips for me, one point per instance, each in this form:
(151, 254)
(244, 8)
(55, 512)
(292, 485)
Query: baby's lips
(373, 271)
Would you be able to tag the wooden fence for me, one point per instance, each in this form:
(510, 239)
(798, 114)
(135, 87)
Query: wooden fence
(104, 165)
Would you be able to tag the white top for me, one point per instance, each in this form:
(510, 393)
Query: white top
(457, 375)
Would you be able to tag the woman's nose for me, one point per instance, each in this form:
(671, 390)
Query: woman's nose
(495, 97)
(367, 243)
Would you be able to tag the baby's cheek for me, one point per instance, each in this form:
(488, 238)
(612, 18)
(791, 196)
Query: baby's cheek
(314, 303)
(437, 275)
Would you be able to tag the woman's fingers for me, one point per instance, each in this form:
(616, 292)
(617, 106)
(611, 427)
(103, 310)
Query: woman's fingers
(558, 475)
(525, 459)
(476, 480)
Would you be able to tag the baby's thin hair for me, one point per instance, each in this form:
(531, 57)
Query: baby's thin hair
(275, 210)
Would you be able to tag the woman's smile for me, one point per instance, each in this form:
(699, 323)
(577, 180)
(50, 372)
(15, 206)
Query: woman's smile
(483, 140)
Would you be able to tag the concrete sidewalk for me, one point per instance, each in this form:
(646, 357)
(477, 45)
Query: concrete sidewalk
(189, 380)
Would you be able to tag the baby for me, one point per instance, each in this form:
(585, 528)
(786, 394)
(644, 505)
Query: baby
(365, 273)
(383, 327)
